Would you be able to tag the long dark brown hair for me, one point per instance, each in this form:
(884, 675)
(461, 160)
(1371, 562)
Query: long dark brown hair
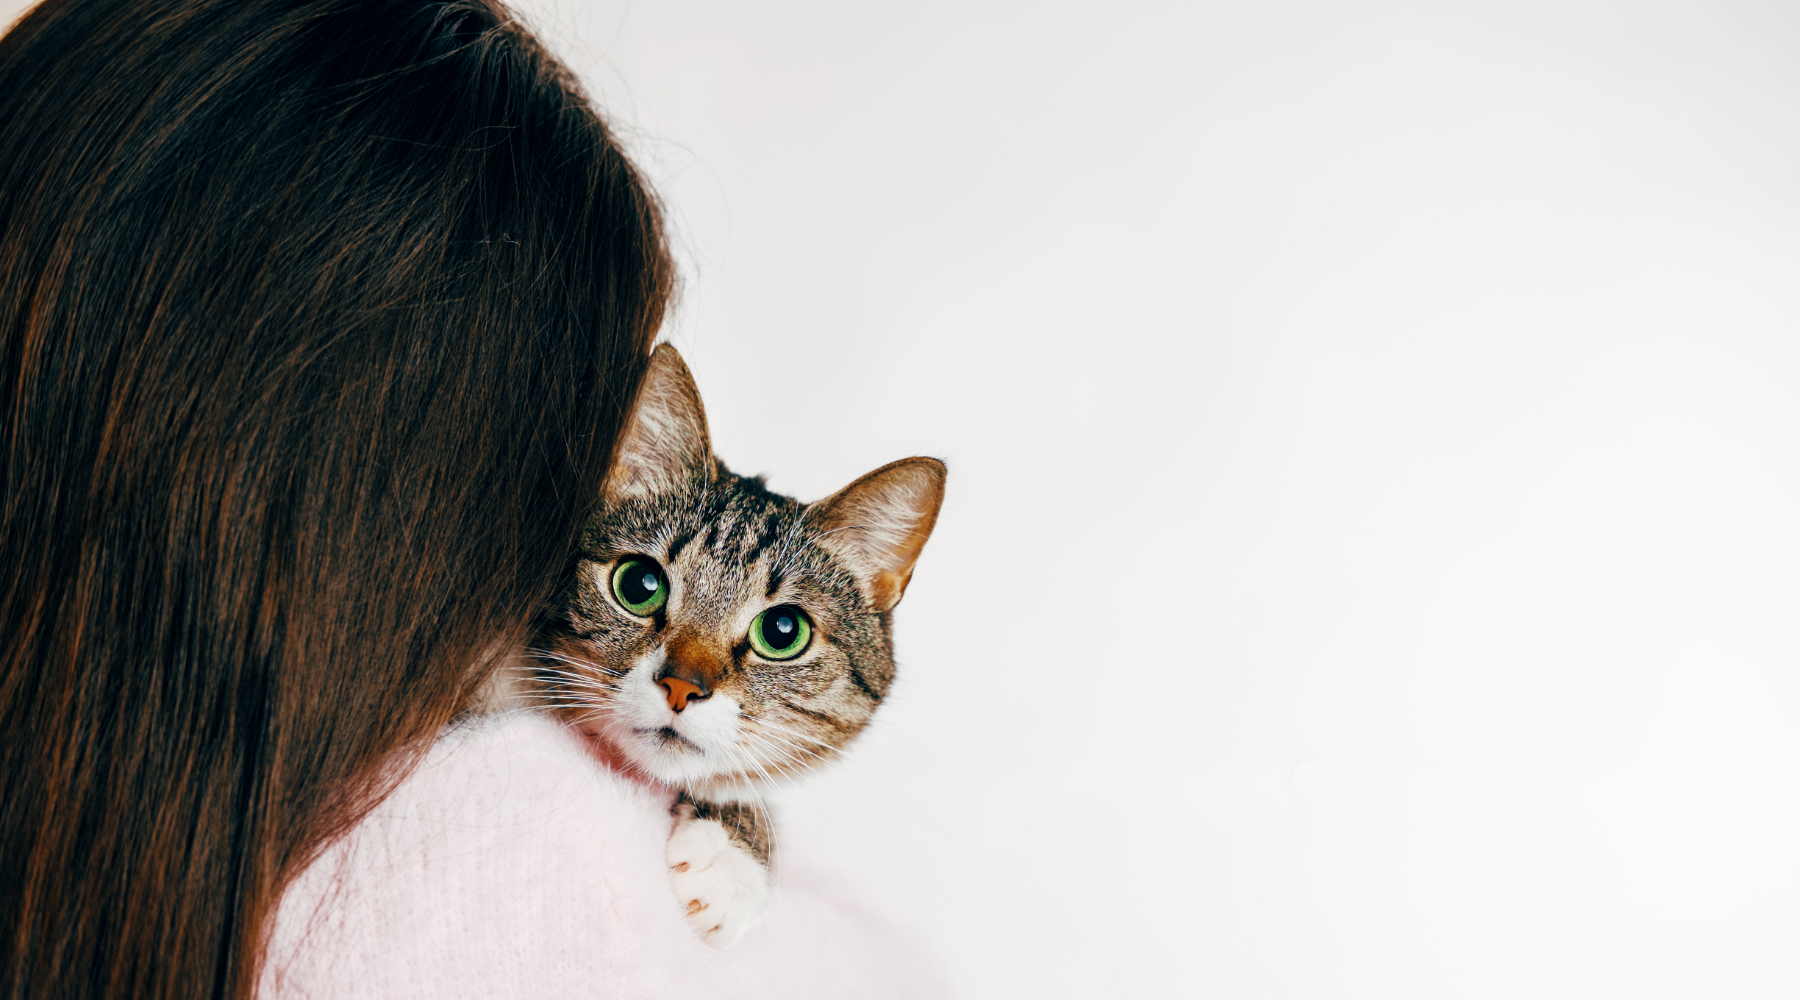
(318, 323)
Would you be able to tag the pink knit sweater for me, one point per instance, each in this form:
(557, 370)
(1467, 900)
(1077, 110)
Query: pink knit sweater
(513, 864)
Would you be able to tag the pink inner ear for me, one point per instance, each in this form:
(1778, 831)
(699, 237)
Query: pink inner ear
(888, 586)
(880, 524)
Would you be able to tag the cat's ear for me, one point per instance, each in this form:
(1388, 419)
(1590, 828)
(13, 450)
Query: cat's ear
(665, 444)
(879, 524)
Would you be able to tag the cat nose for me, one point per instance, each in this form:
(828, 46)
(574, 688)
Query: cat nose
(678, 691)
(689, 670)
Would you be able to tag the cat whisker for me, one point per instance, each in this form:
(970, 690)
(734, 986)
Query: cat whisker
(741, 754)
(782, 755)
(793, 754)
(770, 739)
(574, 661)
(789, 757)
(795, 733)
(573, 691)
(544, 669)
(762, 806)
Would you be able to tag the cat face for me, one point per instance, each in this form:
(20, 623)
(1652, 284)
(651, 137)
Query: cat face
(717, 634)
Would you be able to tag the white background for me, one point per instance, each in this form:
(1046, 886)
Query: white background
(1372, 553)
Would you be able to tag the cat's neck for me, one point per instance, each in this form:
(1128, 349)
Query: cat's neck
(724, 790)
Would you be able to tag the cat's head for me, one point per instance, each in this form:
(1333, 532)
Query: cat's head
(716, 633)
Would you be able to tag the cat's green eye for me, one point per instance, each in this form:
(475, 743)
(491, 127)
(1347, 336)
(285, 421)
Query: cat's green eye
(780, 633)
(640, 586)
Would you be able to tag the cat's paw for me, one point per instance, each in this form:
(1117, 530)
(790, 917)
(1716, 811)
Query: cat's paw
(722, 887)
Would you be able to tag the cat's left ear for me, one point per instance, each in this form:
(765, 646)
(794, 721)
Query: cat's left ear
(879, 524)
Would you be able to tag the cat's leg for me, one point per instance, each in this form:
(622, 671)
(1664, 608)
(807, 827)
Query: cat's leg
(719, 862)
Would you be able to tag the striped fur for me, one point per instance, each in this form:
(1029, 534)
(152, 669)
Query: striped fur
(730, 548)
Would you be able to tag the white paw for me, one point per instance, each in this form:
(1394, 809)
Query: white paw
(720, 885)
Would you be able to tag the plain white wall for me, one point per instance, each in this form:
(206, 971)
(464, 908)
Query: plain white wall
(1372, 559)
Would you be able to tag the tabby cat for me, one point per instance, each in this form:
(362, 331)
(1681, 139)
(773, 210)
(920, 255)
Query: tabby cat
(719, 637)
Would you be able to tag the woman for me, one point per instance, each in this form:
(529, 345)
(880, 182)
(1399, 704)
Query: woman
(320, 318)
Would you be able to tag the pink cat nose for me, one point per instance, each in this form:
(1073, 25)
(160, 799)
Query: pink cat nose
(680, 692)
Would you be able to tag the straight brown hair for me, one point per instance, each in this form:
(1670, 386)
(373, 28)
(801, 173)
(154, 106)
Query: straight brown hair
(318, 324)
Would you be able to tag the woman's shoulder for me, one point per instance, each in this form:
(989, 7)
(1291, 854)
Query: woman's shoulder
(512, 862)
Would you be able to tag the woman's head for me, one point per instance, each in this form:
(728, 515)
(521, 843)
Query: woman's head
(318, 322)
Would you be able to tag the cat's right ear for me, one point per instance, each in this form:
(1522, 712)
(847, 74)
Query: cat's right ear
(665, 444)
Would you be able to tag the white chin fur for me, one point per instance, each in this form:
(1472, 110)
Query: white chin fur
(641, 719)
